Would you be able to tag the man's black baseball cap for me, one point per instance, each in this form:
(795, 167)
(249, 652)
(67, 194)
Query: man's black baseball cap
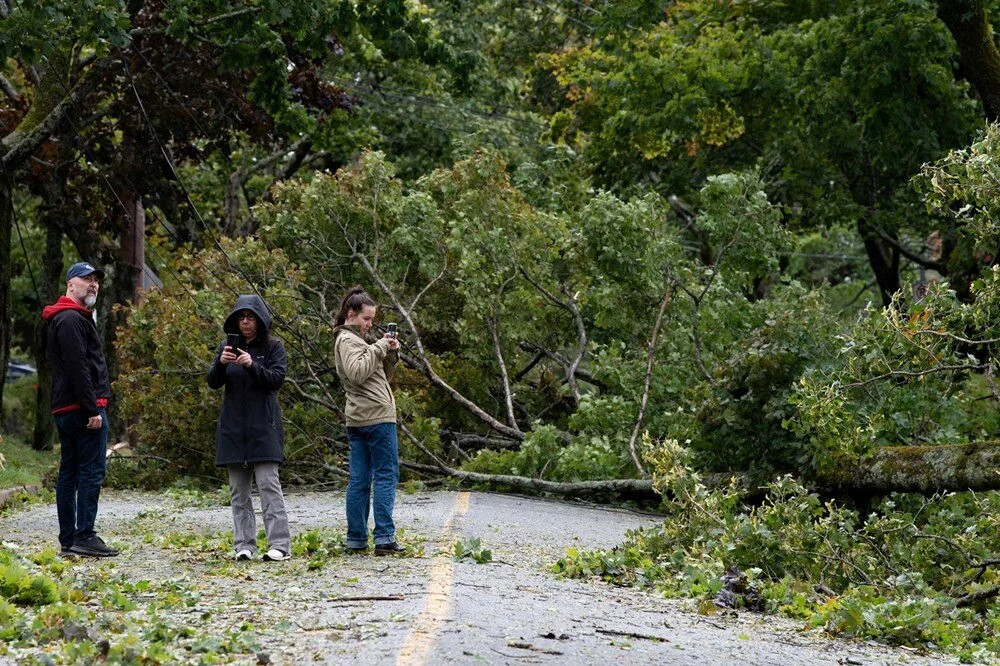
(83, 269)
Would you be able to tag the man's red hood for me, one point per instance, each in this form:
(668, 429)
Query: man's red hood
(64, 303)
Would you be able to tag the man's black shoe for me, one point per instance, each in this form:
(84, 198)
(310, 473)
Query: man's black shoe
(390, 548)
(68, 554)
(94, 547)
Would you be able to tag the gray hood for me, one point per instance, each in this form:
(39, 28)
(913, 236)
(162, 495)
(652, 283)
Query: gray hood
(255, 304)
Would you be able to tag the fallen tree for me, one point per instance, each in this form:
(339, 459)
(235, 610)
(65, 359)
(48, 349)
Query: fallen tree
(905, 469)
(919, 469)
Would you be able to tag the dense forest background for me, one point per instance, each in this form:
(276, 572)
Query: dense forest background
(690, 247)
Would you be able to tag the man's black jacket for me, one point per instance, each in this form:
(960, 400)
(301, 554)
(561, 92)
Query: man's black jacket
(79, 371)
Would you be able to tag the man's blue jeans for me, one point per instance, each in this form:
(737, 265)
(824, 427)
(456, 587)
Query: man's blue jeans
(374, 461)
(81, 472)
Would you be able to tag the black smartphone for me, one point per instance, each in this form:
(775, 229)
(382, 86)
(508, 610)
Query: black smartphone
(391, 329)
(232, 340)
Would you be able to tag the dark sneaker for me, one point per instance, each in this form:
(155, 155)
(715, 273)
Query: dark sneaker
(390, 548)
(94, 547)
(68, 554)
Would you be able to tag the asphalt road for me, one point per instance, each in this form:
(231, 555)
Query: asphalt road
(432, 609)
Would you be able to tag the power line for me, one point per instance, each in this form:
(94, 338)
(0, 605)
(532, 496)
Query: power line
(198, 216)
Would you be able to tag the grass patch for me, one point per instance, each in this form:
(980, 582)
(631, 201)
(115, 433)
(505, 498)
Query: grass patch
(21, 465)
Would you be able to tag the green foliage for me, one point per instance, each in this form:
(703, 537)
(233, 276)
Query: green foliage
(493, 274)
(471, 548)
(741, 418)
(171, 339)
(18, 416)
(964, 185)
(318, 546)
(894, 575)
(903, 376)
(34, 31)
(707, 87)
(23, 465)
(21, 587)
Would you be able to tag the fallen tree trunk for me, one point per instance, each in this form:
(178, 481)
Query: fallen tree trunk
(905, 469)
(638, 488)
(919, 469)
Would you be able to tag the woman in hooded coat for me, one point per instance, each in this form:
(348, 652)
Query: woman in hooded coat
(249, 440)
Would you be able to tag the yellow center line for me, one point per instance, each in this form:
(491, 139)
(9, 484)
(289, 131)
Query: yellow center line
(417, 647)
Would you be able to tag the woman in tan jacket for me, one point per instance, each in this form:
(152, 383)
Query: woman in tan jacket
(364, 370)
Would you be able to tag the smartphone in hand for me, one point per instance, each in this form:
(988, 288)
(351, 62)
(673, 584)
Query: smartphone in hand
(232, 340)
(391, 329)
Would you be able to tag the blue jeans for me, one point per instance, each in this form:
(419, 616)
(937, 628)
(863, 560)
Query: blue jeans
(81, 472)
(374, 461)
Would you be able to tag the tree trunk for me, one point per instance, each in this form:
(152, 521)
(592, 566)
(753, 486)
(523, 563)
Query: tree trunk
(44, 432)
(920, 469)
(884, 261)
(119, 288)
(905, 469)
(970, 26)
(6, 222)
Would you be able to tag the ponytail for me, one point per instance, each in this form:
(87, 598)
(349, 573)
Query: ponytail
(354, 299)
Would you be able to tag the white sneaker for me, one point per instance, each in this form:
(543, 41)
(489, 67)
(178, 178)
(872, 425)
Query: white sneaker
(275, 555)
(243, 555)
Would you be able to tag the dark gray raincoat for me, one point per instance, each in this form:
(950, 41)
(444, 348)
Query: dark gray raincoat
(249, 428)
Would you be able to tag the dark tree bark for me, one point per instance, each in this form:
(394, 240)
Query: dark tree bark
(44, 431)
(117, 288)
(969, 24)
(884, 261)
(6, 223)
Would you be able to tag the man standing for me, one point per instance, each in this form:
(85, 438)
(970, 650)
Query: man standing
(80, 391)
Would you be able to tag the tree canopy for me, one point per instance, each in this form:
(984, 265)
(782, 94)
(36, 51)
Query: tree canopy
(632, 247)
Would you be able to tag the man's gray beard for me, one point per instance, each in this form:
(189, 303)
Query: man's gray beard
(89, 300)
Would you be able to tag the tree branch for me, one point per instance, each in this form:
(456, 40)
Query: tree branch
(138, 32)
(913, 256)
(498, 352)
(650, 356)
(916, 373)
(640, 487)
(582, 348)
(9, 90)
(425, 364)
(20, 145)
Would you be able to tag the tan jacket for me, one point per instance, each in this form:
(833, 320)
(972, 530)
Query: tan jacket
(365, 370)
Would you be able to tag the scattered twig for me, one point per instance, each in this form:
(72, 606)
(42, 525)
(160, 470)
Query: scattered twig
(529, 646)
(632, 634)
(973, 597)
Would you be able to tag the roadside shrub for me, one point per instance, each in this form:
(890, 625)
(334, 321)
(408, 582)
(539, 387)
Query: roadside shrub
(18, 418)
(166, 348)
(742, 415)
